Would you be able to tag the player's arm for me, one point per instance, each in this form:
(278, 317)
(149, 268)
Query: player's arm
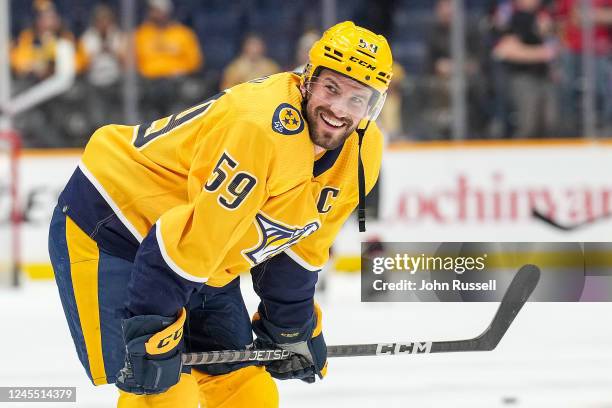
(288, 317)
(286, 283)
(228, 184)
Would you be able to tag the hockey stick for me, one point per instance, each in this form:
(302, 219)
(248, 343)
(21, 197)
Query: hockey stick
(540, 216)
(515, 297)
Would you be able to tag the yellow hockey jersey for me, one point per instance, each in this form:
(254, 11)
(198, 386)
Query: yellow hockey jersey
(229, 183)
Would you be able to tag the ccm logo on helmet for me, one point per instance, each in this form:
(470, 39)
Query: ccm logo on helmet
(362, 63)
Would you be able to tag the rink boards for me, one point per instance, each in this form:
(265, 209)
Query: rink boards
(471, 191)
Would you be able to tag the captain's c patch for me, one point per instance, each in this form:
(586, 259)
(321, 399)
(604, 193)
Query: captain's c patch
(287, 120)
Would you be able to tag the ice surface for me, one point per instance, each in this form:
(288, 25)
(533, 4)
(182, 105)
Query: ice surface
(554, 354)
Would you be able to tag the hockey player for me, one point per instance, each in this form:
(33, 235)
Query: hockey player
(157, 222)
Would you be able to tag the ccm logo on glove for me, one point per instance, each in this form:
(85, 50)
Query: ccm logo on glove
(167, 339)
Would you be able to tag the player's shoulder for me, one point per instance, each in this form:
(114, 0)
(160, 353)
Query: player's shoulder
(264, 101)
(272, 106)
(266, 113)
(374, 138)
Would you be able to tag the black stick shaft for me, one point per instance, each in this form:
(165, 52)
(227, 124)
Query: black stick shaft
(519, 290)
(340, 350)
(567, 227)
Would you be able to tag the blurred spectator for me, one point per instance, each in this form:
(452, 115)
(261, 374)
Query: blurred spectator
(390, 120)
(164, 47)
(440, 67)
(571, 20)
(250, 64)
(439, 60)
(43, 62)
(305, 42)
(102, 48)
(101, 56)
(527, 56)
(166, 53)
(35, 53)
(495, 24)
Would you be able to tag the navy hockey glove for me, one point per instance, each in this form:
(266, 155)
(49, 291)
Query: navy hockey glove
(153, 353)
(306, 342)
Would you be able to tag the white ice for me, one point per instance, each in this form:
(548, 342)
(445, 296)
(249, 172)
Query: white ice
(554, 354)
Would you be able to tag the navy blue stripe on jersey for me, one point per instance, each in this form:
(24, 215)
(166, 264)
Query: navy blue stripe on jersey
(60, 259)
(89, 210)
(286, 291)
(113, 277)
(154, 287)
(326, 161)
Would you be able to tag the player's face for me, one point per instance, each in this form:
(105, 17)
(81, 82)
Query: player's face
(335, 105)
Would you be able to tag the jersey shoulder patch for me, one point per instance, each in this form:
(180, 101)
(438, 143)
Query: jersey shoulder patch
(287, 120)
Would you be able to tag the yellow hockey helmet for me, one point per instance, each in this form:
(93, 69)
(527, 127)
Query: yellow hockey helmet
(356, 53)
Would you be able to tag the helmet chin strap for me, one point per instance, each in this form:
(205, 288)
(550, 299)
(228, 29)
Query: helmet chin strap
(361, 213)
(372, 115)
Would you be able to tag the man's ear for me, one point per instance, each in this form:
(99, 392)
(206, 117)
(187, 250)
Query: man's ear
(303, 89)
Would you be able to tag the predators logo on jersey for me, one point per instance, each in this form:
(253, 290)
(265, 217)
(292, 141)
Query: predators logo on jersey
(287, 120)
(274, 237)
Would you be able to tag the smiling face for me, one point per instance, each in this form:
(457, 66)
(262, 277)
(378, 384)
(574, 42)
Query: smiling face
(334, 106)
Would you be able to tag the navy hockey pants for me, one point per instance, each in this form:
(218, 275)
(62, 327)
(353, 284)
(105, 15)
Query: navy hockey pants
(92, 286)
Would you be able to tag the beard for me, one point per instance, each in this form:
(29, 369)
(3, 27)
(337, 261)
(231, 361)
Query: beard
(327, 139)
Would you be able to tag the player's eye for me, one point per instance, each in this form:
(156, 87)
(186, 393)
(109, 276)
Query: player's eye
(331, 89)
(357, 101)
